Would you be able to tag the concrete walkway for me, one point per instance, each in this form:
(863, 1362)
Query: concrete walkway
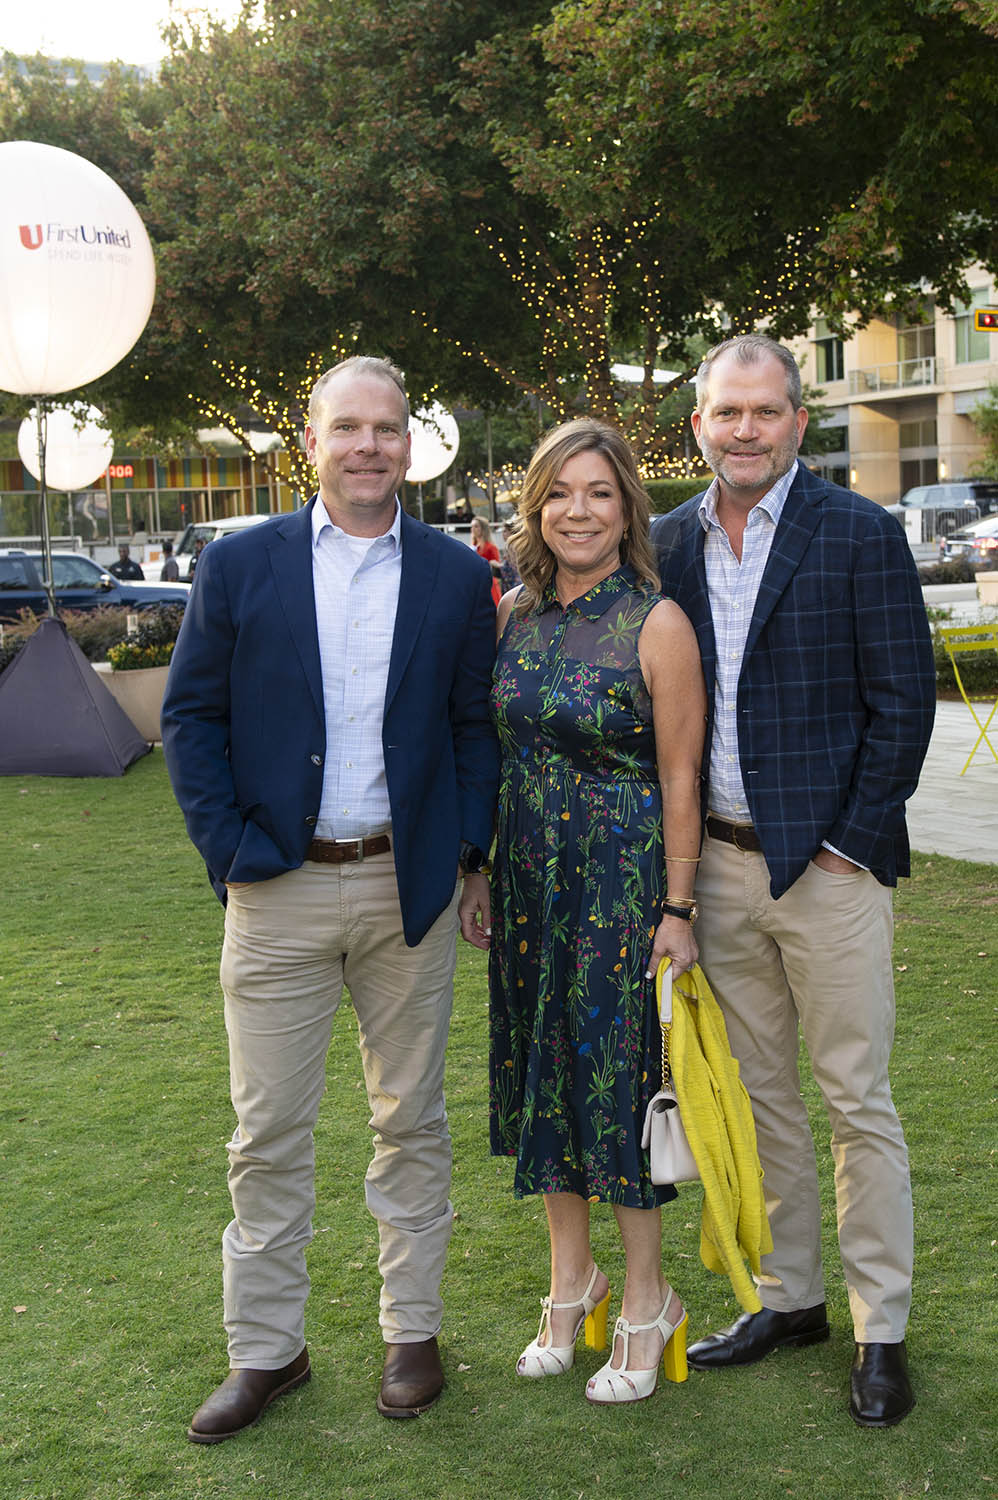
(954, 814)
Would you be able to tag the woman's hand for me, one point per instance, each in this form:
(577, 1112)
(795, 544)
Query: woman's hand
(674, 939)
(474, 911)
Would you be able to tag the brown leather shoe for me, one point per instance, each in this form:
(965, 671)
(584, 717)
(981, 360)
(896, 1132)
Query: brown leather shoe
(242, 1399)
(412, 1379)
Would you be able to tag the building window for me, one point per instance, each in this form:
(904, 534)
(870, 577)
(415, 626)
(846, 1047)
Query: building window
(971, 346)
(917, 434)
(917, 340)
(828, 356)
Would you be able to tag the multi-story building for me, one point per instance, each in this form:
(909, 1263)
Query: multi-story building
(899, 394)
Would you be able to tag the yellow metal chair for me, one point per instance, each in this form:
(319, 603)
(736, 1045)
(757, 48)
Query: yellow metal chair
(958, 639)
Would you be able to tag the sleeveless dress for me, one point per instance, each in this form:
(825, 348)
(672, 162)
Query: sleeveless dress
(575, 1048)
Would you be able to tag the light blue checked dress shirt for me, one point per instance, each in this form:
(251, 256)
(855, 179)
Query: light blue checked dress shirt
(732, 588)
(356, 582)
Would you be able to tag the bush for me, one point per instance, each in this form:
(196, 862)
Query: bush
(979, 670)
(152, 644)
(666, 494)
(98, 632)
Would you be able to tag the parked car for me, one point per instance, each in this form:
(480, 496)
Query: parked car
(977, 543)
(80, 583)
(207, 531)
(954, 492)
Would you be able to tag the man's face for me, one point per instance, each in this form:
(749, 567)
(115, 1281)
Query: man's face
(747, 429)
(360, 448)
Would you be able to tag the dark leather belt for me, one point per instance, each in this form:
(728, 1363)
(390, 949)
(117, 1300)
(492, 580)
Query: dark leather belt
(345, 851)
(742, 835)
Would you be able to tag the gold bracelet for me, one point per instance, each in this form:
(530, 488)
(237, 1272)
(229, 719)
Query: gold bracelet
(680, 901)
(682, 859)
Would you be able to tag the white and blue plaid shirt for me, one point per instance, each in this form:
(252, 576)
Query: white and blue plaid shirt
(356, 581)
(732, 588)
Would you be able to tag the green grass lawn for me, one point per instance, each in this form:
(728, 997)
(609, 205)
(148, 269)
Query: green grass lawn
(113, 1119)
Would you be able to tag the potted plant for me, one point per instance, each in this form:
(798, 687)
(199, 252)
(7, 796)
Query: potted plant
(136, 668)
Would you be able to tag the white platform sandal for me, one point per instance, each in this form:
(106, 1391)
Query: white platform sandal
(609, 1386)
(549, 1359)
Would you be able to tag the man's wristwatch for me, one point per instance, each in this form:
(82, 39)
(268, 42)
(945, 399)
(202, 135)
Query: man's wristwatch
(471, 860)
(687, 912)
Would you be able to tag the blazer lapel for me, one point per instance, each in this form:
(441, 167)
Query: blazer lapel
(290, 548)
(694, 598)
(798, 522)
(420, 563)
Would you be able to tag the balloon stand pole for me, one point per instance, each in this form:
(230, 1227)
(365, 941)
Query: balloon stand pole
(41, 415)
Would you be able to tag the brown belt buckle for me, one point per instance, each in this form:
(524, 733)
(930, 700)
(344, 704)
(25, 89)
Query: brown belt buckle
(736, 828)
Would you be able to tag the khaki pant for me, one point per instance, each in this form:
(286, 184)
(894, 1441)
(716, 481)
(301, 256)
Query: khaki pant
(819, 958)
(290, 945)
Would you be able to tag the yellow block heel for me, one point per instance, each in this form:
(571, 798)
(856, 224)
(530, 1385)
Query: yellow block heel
(596, 1325)
(674, 1356)
(608, 1386)
(544, 1358)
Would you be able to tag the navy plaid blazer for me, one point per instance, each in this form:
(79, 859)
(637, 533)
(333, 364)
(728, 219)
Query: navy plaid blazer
(837, 690)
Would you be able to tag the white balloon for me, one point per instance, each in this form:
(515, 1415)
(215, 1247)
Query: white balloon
(77, 275)
(435, 441)
(75, 455)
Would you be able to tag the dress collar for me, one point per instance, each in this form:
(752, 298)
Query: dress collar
(599, 598)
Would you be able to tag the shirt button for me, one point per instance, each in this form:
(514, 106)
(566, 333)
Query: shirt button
(353, 671)
(349, 765)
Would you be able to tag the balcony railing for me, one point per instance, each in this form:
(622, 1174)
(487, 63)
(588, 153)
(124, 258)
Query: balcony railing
(880, 379)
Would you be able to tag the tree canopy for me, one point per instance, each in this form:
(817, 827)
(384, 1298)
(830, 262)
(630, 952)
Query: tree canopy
(506, 199)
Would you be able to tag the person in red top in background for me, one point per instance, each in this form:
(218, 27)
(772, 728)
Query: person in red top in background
(481, 540)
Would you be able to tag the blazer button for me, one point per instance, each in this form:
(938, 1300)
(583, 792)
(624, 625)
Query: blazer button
(311, 822)
(316, 760)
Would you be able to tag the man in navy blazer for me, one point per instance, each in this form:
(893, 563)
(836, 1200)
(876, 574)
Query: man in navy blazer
(821, 692)
(327, 732)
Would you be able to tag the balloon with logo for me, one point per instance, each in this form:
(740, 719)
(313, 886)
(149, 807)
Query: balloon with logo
(77, 276)
(77, 448)
(435, 441)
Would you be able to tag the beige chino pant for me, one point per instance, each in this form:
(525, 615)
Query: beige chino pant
(290, 945)
(818, 960)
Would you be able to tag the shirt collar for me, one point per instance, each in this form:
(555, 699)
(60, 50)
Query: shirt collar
(598, 599)
(772, 502)
(320, 522)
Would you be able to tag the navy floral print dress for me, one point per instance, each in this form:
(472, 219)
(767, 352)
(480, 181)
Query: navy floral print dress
(575, 1045)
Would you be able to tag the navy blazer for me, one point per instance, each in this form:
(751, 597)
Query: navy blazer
(244, 731)
(837, 690)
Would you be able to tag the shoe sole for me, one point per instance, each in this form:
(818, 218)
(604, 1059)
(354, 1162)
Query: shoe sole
(795, 1341)
(222, 1437)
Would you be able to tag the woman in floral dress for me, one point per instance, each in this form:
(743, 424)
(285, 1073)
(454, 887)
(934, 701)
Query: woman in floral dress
(599, 702)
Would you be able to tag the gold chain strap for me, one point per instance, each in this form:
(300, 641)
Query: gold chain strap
(666, 1065)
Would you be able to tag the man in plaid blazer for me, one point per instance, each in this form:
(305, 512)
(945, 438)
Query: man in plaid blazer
(821, 692)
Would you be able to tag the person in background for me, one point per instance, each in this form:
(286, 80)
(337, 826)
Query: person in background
(821, 686)
(169, 572)
(326, 728)
(125, 569)
(509, 575)
(599, 702)
(481, 540)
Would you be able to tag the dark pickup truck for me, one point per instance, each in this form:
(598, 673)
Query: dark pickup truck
(80, 583)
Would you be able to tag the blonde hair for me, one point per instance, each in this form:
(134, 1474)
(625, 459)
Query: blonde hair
(534, 559)
(359, 364)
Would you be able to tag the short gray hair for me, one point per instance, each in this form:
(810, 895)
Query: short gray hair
(749, 349)
(359, 364)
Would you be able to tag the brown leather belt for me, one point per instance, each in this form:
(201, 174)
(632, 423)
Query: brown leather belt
(742, 835)
(344, 851)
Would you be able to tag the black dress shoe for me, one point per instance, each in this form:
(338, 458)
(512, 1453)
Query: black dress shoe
(880, 1392)
(412, 1379)
(754, 1335)
(242, 1398)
